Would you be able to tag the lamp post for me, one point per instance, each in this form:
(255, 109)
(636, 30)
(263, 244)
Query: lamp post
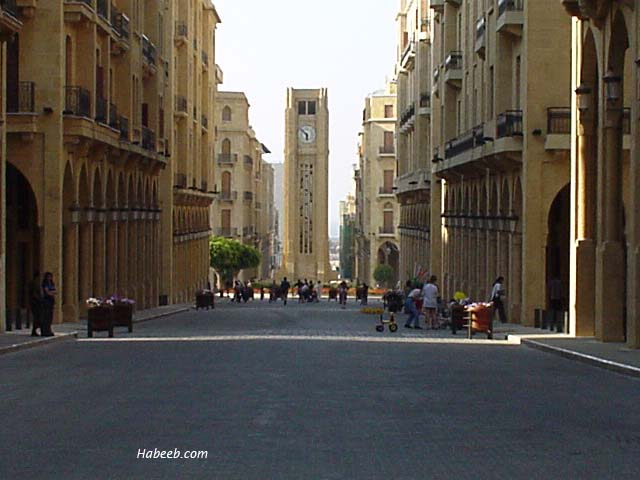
(612, 87)
(583, 93)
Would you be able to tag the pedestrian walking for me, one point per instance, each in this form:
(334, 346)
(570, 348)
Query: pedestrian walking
(284, 289)
(318, 291)
(364, 294)
(413, 321)
(498, 296)
(342, 293)
(35, 304)
(49, 293)
(430, 294)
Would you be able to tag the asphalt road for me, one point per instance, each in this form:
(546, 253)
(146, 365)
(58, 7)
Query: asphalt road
(306, 393)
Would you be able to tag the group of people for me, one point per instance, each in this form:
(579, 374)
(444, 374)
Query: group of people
(425, 298)
(242, 292)
(42, 298)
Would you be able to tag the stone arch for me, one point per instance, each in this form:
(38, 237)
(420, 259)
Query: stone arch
(227, 114)
(505, 206)
(84, 192)
(131, 193)
(121, 192)
(492, 208)
(226, 147)
(110, 192)
(483, 200)
(97, 198)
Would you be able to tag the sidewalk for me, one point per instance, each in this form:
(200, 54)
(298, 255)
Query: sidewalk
(612, 356)
(17, 340)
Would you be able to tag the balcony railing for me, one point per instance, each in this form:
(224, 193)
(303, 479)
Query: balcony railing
(464, 142)
(204, 186)
(408, 113)
(148, 50)
(227, 232)
(181, 29)
(248, 231)
(113, 116)
(510, 6)
(180, 180)
(227, 196)
(453, 61)
(9, 6)
(101, 109)
(385, 191)
(103, 9)
(425, 100)
(248, 161)
(247, 196)
(436, 75)
(148, 139)
(23, 100)
(509, 124)
(122, 25)
(77, 101)
(123, 123)
(481, 28)
(181, 104)
(386, 230)
(387, 149)
(559, 120)
(227, 158)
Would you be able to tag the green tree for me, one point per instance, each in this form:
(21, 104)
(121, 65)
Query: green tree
(229, 256)
(383, 274)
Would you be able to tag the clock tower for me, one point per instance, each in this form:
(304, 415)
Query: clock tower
(306, 171)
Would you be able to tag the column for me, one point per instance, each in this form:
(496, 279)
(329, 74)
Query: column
(515, 269)
(611, 251)
(98, 287)
(123, 254)
(112, 253)
(85, 265)
(70, 276)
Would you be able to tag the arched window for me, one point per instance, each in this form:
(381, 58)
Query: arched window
(226, 146)
(226, 114)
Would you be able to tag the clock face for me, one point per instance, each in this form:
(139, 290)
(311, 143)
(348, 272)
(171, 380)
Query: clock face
(307, 134)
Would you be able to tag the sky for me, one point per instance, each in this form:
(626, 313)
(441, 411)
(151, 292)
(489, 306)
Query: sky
(347, 46)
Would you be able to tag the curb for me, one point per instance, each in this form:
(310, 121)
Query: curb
(59, 337)
(162, 315)
(584, 358)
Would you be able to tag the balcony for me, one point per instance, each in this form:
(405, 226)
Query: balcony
(464, 142)
(247, 197)
(509, 124)
(204, 121)
(22, 100)
(123, 124)
(204, 186)
(258, 206)
(148, 139)
(205, 59)
(101, 109)
(121, 25)
(248, 161)
(385, 150)
(226, 232)
(181, 33)
(113, 116)
(78, 11)
(481, 36)
(407, 118)
(425, 104)
(180, 181)
(386, 230)
(181, 106)
(408, 55)
(227, 158)
(558, 129)
(10, 7)
(510, 17)
(227, 196)
(453, 69)
(248, 231)
(149, 55)
(77, 102)
(385, 191)
(436, 81)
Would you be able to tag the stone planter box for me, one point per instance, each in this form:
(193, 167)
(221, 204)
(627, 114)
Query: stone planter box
(123, 316)
(100, 319)
(205, 300)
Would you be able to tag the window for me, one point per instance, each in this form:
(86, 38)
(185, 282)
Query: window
(388, 111)
(388, 183)
(226, 146)
(226, 114)
(311, 108)
(306, 107)
(388, 142)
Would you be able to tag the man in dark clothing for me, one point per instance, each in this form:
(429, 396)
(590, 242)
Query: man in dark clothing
(284, 289)
(35, 303)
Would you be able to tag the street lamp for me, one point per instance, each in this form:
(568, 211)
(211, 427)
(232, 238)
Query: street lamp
(584, 97)
(612, 87)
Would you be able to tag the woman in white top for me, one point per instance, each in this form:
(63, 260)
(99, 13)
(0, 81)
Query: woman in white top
(497, 297)
(430, 296)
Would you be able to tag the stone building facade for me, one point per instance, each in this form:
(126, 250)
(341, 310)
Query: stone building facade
(244, 205)
(500, 137)
(605, 234)
(104, 188)
(376, 206)
(414, 187)
(306, 177)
